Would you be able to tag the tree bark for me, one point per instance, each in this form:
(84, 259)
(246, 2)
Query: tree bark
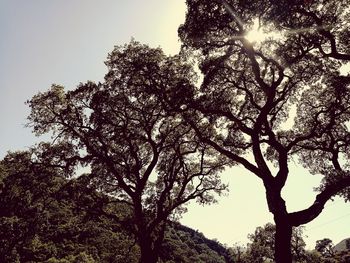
(283, 237)
(148, 255)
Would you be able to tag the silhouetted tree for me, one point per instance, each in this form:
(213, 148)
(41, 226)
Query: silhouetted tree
(325, 247)
(45, 217)
(263, 244)
(238, 253)
(138, 151)
(250, 90)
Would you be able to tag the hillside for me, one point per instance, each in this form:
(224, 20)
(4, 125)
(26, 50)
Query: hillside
(342, 245)
(46, 218)
(183, 244)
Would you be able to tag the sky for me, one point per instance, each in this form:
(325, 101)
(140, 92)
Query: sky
(67, 41)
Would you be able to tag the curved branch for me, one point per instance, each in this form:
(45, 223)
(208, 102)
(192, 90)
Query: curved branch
(334, 53)
(307, 215)
(234, 157)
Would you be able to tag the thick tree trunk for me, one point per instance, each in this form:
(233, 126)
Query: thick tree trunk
(148, 255)
(283, 237)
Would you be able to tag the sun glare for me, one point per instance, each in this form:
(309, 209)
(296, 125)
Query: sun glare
(255, 35)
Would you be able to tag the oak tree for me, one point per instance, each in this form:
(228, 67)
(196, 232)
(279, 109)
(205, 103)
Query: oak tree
(265, 102)
(136, 149)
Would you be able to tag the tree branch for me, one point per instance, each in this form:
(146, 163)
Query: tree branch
(307, 215)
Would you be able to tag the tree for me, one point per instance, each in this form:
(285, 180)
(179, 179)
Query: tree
(45, 217)
(237, 253)
(329, 253)
(313, 257)
(250, 90)
(140, 152)
(325, 247)
(263, 244)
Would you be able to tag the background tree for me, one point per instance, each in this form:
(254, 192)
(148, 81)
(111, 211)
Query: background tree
(325, 247)
(250, 89)
(142, 154)
(262, 244)
(313, 257)
(331, 253)
(238, 253)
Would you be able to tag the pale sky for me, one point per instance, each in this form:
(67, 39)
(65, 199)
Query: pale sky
(66, 42)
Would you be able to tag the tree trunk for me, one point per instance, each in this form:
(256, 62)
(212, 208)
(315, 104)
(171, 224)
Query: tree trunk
(148, 255)
(283, 237)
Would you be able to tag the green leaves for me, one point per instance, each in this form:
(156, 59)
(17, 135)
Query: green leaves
(45, 218)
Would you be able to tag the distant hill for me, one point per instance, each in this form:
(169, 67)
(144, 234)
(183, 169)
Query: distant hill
(342, 245)
(183, 244)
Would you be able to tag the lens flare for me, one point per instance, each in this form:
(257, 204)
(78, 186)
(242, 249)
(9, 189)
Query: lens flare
(255, 35)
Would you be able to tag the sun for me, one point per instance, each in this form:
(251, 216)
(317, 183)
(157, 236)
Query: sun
(255, 34)
(258, 34)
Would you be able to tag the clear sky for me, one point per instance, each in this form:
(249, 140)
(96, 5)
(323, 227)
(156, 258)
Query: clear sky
(66, 42)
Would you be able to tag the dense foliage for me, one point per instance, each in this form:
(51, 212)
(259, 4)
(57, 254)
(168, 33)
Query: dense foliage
(47, 218)
(138, 149)
(331, 253)
(252, 89)
(152, 139)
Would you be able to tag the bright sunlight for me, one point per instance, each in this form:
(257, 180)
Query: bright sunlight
(257, 34)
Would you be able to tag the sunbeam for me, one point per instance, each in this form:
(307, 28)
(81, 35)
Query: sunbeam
(233, 14)
(256, 33)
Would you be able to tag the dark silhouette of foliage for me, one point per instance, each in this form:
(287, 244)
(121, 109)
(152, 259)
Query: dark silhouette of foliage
(251, 89)
(138, 150)
(46, 218)
(325, 247)
(262, 244)
(331, 253)
(202, 249)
